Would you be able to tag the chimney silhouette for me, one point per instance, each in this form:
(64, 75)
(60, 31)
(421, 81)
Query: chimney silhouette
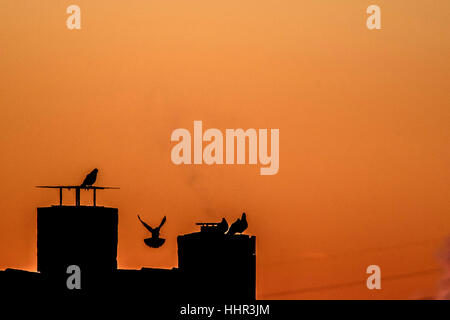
(219, 266)
(85, 236)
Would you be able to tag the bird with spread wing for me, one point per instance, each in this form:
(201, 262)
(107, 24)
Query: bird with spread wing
(154, 241)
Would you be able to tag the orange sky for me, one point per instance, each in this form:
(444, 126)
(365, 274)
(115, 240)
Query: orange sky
(363, 118)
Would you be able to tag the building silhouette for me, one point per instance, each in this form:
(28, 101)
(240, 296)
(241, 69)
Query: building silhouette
(212, 266)
(218, 264)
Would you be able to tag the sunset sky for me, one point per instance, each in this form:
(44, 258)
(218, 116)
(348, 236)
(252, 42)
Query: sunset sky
(364, 120)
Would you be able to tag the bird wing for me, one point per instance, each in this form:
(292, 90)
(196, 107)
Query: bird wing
(244, 224)
(234, 226)
(93, 176)
(145, 225)
(85, 181)
(162, 222)
(223, 226)
(90, 178)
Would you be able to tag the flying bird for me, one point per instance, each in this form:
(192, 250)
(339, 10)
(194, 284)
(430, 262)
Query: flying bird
(222, 227)
(155, 241)
(90, 178)
(239, 226)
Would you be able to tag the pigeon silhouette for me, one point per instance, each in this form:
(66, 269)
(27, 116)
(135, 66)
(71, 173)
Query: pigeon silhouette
(90, 178)
(155, 241)
(222, 227)
(239, 226)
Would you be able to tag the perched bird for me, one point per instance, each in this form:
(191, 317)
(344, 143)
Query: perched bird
(155, 241)
(222, 227)
(239, 226)
(90, 178)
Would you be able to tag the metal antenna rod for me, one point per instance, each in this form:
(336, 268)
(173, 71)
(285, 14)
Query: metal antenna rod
(77, 192)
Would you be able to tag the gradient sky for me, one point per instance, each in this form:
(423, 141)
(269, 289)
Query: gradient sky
(363, 117)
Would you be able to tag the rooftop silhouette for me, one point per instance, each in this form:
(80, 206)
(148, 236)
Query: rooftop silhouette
(212, 265)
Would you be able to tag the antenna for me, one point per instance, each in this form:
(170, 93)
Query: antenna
(207, 226)
(77, 192)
